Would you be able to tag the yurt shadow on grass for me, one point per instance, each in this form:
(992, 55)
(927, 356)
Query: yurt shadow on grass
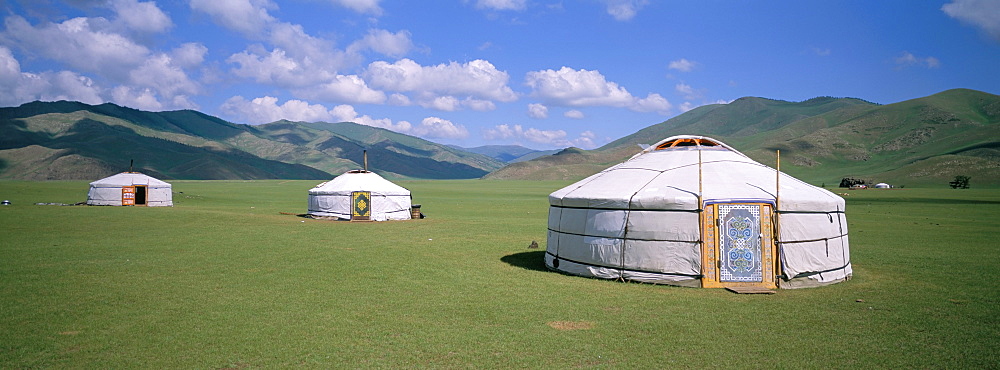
(692, 211)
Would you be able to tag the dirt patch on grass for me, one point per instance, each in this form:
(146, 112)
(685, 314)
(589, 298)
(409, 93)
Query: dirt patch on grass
(571, 325)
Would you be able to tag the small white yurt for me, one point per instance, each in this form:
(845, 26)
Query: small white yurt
(692, 211)
(130, 189)
(360, 195)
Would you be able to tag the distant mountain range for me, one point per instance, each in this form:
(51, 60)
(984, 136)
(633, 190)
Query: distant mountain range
(507, 153)
(924, 141)
(71, 140)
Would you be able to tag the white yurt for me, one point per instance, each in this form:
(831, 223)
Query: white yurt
(692, 211)
(130, 189)
(360, 194)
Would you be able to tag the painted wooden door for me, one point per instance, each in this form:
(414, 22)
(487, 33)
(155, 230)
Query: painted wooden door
(738, 248)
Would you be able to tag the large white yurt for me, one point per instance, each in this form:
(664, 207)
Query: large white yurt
(360, 194)
(692, 211)
(130, 189)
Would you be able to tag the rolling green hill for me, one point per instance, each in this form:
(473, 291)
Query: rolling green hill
(70, 140)
(925, 141)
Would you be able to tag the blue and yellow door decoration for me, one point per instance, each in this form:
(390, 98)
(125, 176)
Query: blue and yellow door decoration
(738, 248)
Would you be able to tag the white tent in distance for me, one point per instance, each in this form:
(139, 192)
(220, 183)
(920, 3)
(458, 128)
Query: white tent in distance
(360, 195)
(130, 189)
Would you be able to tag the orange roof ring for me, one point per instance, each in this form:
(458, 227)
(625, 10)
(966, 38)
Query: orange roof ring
(687, 141)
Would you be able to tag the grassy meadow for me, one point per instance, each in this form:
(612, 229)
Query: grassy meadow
(224, 280)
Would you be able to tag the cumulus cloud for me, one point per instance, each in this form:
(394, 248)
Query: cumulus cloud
(573, 113)
(141, 16)
(556, 138)
(158, 72)
(443, 86)
(144, 99)
(687, 91)
(154, 80)
(538, 111)
(682, 65)
(346, 113)
(583, 88)
(501, 4)
(907, 59)
(623, 10)
(982, 14)
(189, 55)
(348, 89)
(438, 128)
(17, 87)
(249, 17)
(76, 43)
(384, 42)
(266, 109)
(360, 6)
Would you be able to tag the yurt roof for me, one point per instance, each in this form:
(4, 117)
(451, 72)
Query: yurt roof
(666, 176)
(358, 180)
(128, 179)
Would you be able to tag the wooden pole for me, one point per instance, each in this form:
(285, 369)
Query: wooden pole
(777, 215)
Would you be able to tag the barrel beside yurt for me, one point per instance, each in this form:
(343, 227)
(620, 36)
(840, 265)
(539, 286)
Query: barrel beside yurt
(360, 194)
(692, 211)
(130, 189)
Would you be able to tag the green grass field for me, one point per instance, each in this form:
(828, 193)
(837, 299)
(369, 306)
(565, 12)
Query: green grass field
(223, 280)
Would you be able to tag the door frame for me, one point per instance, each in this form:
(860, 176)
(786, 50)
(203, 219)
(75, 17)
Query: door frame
(710, 258)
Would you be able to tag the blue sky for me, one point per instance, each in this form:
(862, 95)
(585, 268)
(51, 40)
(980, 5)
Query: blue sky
(538, 73)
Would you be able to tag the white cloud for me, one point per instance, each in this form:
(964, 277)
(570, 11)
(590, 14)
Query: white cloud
(159, 73)
(501, 4)
(573, 113)
(266, 109)
(443, 86)
(682, 65)
(277, 68)
(686, 106)
(346, 113)
(652, 103)
(538, 111)
(578, 88)
(249, 17)
(983, 14)
(349, 89)
(907, 59)
(583, 88)
(144, 99)
(623, 10)
(17, 87)
(687, 91)
(399, 99)
(548, 137)
(384, 42)
(360, 6)
(141, 16)
(437, 128)
(189, 55)
(479, 105)
(75, 43)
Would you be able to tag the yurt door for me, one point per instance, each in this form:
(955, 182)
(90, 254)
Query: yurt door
(128, 195)
(361, 206)
(739, 246)
(140, 195)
